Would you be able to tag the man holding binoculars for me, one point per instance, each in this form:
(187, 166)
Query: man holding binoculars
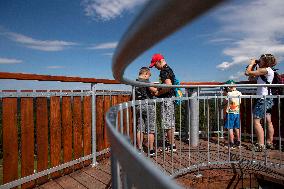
(262, 74)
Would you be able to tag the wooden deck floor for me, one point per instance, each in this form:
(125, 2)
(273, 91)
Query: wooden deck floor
(100, 176)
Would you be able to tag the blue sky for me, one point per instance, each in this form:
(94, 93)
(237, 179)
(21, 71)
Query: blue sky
(78, 38)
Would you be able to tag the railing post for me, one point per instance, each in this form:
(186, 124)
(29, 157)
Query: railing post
(134, 115)
(94, 137)
(194, 118)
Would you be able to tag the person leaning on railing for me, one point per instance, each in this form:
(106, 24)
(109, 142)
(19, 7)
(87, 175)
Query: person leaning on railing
(167, 77)
(265, 63)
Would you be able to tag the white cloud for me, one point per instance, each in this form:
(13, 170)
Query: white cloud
(109, 9)
(238, 76)
(10, 61)
(110, 45)
(42, 45)
(55, 67)
(108, 54)
(256, 27)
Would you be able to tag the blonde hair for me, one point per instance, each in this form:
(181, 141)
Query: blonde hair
(144, 70)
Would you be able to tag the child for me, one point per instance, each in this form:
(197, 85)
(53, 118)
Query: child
(233, 115)
(146, 114)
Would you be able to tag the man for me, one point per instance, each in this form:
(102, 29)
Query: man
(167, 77)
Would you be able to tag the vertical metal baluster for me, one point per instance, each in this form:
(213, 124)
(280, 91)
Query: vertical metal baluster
(222, 117)
(140, 125)
(208, 130)
(121, 118)
(279, 123)
(180, 133)
(94, 137)
(156, 131)
(228, 131)
(218, 128)
(265, 130)
(251, 108)
(148, 127)
(240, 130)
(163, 132)
(173, 138)
(134, 115)
(127, 119)
(189, 118)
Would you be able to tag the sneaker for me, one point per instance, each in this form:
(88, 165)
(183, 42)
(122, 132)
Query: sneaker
(230, 145)
(258, 147)
(168, 148)
(152, 153)
(237, 143)
(140, 151)
(270, 146)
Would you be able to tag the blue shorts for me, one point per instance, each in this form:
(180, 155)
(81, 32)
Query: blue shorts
(232, 121)
(259, 108)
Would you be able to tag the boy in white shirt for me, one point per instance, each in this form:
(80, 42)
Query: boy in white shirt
(233, 115)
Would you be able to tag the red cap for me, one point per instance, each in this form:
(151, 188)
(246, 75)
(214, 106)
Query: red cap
(155, 58)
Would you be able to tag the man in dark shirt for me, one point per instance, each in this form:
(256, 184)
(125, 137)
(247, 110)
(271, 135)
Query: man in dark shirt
(167, 77)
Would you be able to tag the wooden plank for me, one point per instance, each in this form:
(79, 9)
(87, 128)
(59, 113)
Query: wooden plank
(98, 175)
(67, 131)
(87, 135)
(107, 105)
(87, 180)
(55, 133)
(21, 76)
(50, 185)
(10, 140)
(77, 126)
(69, 183)
(104, 165)
(42, 136)
(27, 140)
(99, 123)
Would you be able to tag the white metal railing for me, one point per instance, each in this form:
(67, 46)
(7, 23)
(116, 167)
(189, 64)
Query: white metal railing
(135, 41)
(196, 146)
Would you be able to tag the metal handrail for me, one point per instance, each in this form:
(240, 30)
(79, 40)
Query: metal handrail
(167, 16)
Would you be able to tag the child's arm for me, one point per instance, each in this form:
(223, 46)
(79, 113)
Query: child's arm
(153, 90)
(225, 101)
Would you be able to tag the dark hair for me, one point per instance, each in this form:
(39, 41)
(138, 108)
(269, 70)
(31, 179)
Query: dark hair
(143, 70)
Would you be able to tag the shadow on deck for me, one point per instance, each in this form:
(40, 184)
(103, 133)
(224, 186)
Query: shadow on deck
(235, 175)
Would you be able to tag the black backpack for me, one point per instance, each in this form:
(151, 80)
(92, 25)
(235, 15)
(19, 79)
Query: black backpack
(277, 79)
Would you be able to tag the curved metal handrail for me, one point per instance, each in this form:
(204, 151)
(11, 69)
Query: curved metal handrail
(167, 16)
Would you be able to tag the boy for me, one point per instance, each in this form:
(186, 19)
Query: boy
(233, 115)
(143, 118)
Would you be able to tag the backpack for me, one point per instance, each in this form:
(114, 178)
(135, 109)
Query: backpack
(178, 92)
(277, 79)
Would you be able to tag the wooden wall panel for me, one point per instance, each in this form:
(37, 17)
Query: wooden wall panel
(27, 140)
(10, 140)
(55, 133)
(77, 126)
(67, 131)
(42, 136)
(87, 129)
